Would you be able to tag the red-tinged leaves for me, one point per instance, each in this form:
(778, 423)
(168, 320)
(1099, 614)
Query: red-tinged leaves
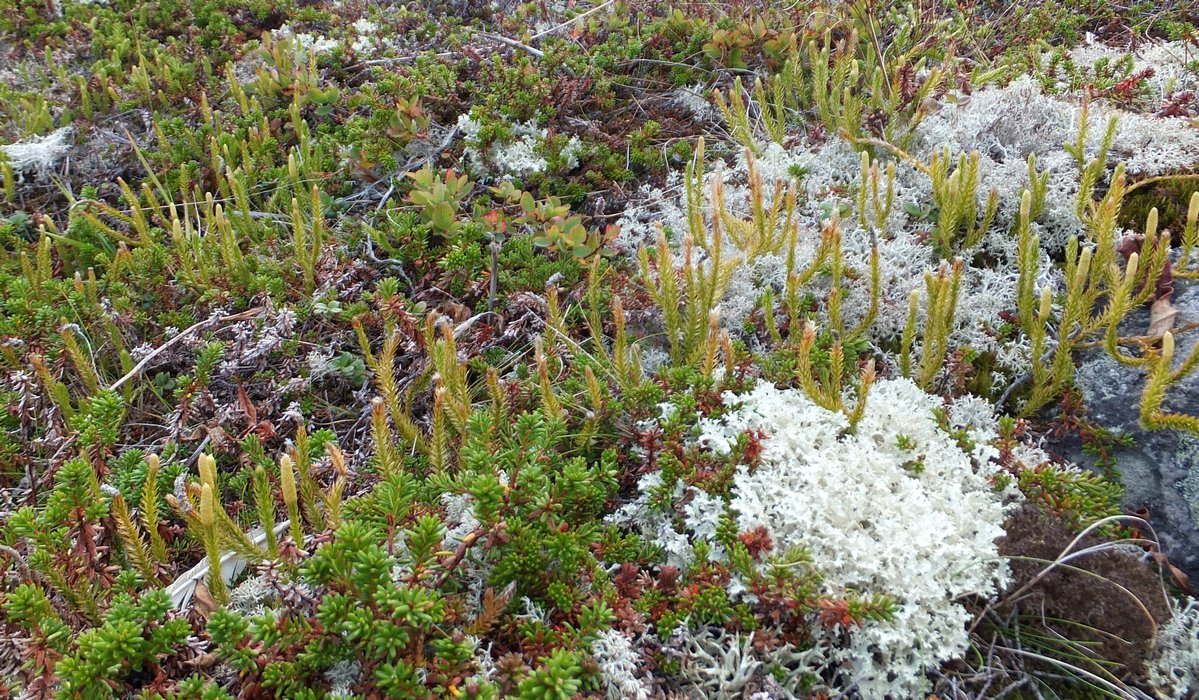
(492, 607)
(835, 612)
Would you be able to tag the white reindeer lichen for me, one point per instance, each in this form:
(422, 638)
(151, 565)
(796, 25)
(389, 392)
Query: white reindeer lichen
(37, 156)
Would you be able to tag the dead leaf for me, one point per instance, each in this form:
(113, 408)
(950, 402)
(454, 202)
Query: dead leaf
(1161, 317)
(202, 601)
(203, 661)
(1165, 281)
(264, 430)
(247, 405)
(456, 311)
(1180, 579)
(221, 439)
(196, 434)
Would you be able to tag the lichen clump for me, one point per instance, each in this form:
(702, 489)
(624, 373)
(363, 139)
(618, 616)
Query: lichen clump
(895, 506)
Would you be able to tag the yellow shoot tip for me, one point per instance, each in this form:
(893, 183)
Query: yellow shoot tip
(207, 508)
(338, 458)
(287, 480)
(1046, 304)
(1130, 272)
(207, 467)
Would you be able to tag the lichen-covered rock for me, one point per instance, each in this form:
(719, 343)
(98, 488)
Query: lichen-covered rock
(1160, 471)
(1174, 669)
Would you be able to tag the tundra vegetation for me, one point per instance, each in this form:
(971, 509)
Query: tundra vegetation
(369, 349)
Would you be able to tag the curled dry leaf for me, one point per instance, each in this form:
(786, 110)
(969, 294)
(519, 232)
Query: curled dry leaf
(1177, 576)
(1161, 317)
(202, 601)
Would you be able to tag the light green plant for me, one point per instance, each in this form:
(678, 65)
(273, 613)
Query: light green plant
(834, 80)
(201, 507)
(333, 497)
(308, 238)
(301, 455)
(687, 295)
(1099, 292)
(90, 367)
(626, 360)
(135, 547)
(595, 399)
(1091, 170)
(595, 312)
(772, 106)
(382, 365)
(853, 78)
(550, 405)
(81, 361)
(1189, 240)
(941, 298)
(826, 387)
(737, 117)
(451, 374)
(555, 323)
(285, 70)
(829, 258)
(1161, 377)
(54, 387)
(956, 196)
(439, 434)
(8, 178)
(32, 115)
(1038, 187)
(439, 197)
(874, 206)
(387, 457)
(149, 511)
(771, 226)
(208, 536)
(264, 506)
(291, 498)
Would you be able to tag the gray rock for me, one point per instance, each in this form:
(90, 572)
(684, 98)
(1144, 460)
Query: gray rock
(1160, 471)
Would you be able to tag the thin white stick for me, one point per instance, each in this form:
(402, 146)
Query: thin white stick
(570, 21)
(190, 329)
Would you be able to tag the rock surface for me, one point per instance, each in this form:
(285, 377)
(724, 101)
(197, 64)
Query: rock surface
(1160, 471)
